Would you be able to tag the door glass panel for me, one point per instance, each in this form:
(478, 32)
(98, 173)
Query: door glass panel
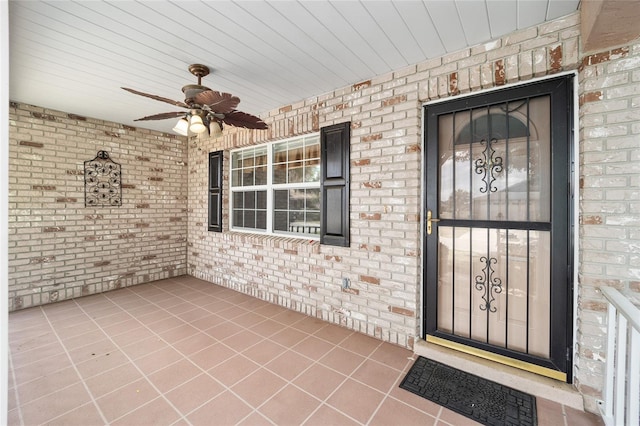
(494, 162)
(484, 278)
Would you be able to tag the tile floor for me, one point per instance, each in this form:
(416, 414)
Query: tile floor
(183, 351)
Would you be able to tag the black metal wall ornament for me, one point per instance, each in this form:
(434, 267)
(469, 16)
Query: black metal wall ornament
(488, 166)
(487, 284)
(102, 182)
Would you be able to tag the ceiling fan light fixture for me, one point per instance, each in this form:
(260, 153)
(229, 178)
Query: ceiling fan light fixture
(196, 125)
(182, 127)
(215, 128)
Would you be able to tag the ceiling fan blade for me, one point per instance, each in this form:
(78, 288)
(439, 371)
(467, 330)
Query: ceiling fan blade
(242, 119)
(157, 98)
(219, 102)
(162, 116)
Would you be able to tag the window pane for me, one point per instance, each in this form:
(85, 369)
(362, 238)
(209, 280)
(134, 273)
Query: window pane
(281, 199)
(296, 199)
(312, 171)
(238, 218)
(249, 218)
(238, 200)
(261, 202)
(236, 178)
(250, 200)
(261, 175)
(280, 222)
(294, 210)
(280, 173)
(313, 199)
(295, 172)
(261, 219)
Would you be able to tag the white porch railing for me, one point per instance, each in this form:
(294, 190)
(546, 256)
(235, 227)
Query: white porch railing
(622, 387)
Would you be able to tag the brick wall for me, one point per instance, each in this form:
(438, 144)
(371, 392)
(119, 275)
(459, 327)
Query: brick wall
(384, 259)
(58, 248)
(610, 199)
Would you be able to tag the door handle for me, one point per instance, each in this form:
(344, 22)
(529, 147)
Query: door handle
(429, 220)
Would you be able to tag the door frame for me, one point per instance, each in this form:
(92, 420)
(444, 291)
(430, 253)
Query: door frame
(572, 216)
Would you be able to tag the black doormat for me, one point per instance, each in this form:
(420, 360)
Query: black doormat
(479, 399)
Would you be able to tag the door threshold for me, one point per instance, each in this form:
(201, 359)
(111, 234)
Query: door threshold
(515, 378)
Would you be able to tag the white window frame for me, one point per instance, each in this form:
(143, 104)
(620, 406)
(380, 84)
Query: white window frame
(270, 188)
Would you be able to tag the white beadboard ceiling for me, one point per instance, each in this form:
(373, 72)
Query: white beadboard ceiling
(74, 56)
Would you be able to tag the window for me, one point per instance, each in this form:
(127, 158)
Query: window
(275, 188)
(297, 187)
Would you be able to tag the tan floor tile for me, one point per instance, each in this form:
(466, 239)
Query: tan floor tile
(224, 330)
(144, 347)
(310, 325)
(264, 351)
(289, 317)
(135, 334)
(128, 398)
(456, 419)
(192, 394)
(98, 364)
(249, 319)
(360, 344)
(13, 418)
(233, 370)
(395, 412)
(225, 409)
(342, 360)
(413, 400)
(156, 412)
(319, 381)
(333, 333)
(258, 387)
(242, 340)
(212, 355)
(165, 324)
(361, 407)
(313, 347)
(575, 417)
(85, 415)
(41, 368)
(113, 379)
(48, 384)
(256, 419)
(377, 375)
(75, 329)
(92, 350)
(289, 365)
(549, 412)
(157, 360)
(54, 404)
(193, 344)
(22, 358)
(326, 415)
(267, 328)
(173, 375)
(290, 406)
(269, 310)
(265, 334)
(393, 356)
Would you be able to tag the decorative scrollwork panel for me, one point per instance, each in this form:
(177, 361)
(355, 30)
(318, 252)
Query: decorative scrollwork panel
(102, 182)
(488, 166)
(488, 284)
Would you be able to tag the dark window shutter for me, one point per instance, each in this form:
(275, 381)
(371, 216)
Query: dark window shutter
(334, 184)
(215, 191)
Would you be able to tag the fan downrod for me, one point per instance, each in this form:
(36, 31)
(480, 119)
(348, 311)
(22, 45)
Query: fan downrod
(199, 71)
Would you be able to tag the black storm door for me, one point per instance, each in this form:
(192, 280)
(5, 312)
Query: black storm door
(498, 265)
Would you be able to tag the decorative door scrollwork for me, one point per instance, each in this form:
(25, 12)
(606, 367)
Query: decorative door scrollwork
(102, 181)
(487, 284)
(488, 166)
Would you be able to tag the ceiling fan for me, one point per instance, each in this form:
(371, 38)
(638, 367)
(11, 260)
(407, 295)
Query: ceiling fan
(207, 109)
